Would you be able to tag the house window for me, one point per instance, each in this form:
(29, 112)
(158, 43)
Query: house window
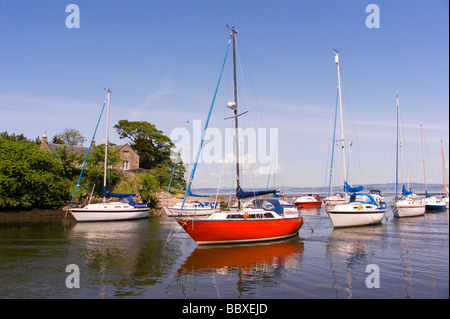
(126, 153)
(125, 165)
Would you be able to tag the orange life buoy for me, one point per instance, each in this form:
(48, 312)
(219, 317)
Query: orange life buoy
(245, 215)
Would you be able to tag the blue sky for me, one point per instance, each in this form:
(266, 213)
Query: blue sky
(162, 59)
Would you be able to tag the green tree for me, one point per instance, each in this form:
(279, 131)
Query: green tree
(57, 140)
(69, 160)
(13, 137)
(94, 170)
(178, 180)
(146, 185)
(149, 189)
(154, 150)
(70, 137)
(152, 146)
(30, 177)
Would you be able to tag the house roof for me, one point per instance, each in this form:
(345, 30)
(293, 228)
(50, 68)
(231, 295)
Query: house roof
(80, 149)
(77, 149)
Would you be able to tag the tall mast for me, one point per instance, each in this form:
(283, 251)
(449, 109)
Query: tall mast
(443, 170)
(234, 107)
(399, 147)
(396, 155)
(400, 141)
(336, 60)
(423, 156)
(106, 144)
(187, 150)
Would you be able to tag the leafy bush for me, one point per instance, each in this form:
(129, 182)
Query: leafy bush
(30, 177)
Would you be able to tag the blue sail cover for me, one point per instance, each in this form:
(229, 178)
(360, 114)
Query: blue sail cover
(277, 207)
(107, 194)
(195, 195)
(349, 189)
(381, 204)
(278, 194)
(206, 204)
(128, 197)
(241, 194)
(405, 191)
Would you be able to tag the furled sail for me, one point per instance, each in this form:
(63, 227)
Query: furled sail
(241, 194)
(349, 189)
(405, 191)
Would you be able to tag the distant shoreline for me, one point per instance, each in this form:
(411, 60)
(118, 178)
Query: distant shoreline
(59, 214)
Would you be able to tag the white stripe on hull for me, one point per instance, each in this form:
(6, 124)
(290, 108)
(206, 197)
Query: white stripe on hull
(94, 216)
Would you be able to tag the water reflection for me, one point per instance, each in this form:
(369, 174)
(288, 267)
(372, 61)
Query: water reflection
(123, 258)
(115, 244)
(135, 259)
(311, 211)
(246, 266)
(419, 261)
(350, 248)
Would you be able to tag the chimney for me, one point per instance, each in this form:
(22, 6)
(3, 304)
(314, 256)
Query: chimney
(44, 139)
(44, 142)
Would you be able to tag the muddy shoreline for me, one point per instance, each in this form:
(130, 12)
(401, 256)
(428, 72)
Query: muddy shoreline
(62, 215)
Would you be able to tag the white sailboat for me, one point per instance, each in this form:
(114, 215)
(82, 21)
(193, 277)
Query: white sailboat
(445, 198)
(361, 209)
(432, 203)
(193, 208)
(407, 205)
(333, 200)
(124, 209)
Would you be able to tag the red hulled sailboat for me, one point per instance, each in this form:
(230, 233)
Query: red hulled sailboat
(267, 219)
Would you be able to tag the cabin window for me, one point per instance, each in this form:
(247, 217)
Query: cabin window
(268, 206)
(250, 216)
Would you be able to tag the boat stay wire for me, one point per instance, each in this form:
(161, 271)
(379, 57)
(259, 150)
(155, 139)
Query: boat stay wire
(191, 177)
(87, 155)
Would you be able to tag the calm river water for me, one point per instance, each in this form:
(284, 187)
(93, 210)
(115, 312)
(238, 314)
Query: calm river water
(398, 259)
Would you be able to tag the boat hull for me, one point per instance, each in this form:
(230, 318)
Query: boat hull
(433, 204)
(334, 202)
(341, 219)
(434, 207)
(408, 211)
(308, 204)
(108, 212)
(238, 231)
(308, 201)
(174, 212)
(408, 208)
